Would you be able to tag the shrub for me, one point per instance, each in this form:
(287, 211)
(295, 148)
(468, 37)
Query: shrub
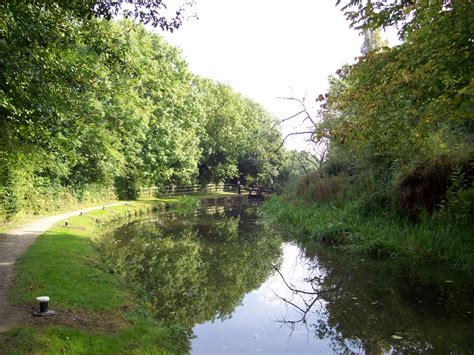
(321, 189)
(127, 187)
(25, 192)
(12, 191)
(426, 186)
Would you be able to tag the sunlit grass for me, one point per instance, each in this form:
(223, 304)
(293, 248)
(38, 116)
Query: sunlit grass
(24, 218)
(137, 339)
(65, 265)
(430, 240)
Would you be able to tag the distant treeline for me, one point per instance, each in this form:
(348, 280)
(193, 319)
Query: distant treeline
(88, 104)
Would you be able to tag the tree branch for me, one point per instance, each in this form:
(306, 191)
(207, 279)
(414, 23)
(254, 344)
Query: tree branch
(288, 118)
(315, 163)
(292, 288)
(301, 102)
(301, 164)
(289, 135)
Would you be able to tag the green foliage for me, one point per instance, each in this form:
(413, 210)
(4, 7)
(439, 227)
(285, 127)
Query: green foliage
(9, 195)
(238, 138)
(399, 121)
(88, 102)
(417, 105)
(459, 198)
(127, 187)
(346, 224)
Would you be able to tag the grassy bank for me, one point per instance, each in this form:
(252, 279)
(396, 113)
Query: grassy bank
(25, 217)
(97, 312)
(344, 225)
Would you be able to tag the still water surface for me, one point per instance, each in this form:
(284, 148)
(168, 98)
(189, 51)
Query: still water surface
(238, 287)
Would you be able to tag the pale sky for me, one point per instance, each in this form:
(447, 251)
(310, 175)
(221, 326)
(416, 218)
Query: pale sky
(267, 49)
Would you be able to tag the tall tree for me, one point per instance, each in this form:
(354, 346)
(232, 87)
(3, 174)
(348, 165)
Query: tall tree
(372, 41)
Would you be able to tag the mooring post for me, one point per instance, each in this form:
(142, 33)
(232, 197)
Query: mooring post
(43, 307)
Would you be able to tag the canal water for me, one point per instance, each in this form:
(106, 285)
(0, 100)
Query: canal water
(236, 286)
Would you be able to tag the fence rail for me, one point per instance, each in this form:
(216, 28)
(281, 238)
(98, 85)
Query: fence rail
(179, 190)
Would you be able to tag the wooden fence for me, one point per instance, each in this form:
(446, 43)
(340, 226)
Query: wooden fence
(179, 190)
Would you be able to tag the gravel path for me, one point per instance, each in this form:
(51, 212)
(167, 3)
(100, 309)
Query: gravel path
(12, 245)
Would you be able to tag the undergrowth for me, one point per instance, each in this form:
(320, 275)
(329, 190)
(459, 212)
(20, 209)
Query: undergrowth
(345, 224)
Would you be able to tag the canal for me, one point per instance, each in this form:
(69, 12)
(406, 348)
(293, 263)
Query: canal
(237, 286)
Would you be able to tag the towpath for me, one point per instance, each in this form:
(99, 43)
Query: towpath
(12, 245)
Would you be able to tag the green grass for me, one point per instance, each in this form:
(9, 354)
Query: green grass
(137, 339)
(24, 218)
(344, 225)
(65, 265)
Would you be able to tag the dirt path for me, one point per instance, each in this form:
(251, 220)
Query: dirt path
(12, 245)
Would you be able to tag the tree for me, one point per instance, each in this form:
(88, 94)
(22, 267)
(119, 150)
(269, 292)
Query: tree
(153, 12)
(87, 104)
(372, 41)
(402, 110)
(222, 131)
(237, 137)
(406, 15)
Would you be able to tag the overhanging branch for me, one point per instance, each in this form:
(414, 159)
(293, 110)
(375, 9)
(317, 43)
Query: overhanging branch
(289, 135)
(301, 102)
(288, 118)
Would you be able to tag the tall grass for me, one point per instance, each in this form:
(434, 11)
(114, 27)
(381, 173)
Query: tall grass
(343, 223)
(186, 204)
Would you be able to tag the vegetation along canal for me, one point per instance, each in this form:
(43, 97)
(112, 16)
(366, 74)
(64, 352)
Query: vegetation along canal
(235, 285)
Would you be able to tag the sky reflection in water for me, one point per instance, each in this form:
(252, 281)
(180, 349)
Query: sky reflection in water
(215, 274)
(256, 324)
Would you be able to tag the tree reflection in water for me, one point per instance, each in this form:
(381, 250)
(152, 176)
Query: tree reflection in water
(378, 306)
(190, 270)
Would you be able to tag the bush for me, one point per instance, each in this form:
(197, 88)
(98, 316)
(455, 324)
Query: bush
(127, 187)
(321, 189)
(12, 192)
(23, 191)
(426, 186)
(9, 202)
(375, 203)
(458, 203)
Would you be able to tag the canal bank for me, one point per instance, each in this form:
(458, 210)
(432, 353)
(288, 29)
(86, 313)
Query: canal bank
(220, 279)
(95, 308)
